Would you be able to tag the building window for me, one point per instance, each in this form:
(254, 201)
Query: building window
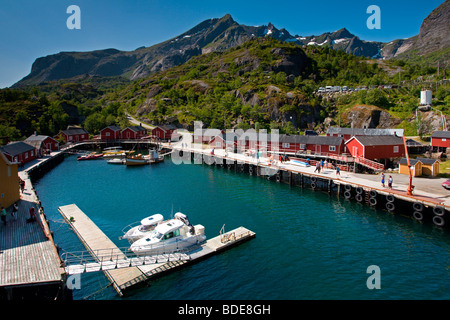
(107, 134)
(8, 171)
(443, 139)
(395, 149)
(331, 148)
(26, 155)
(218, 144)
(285, 145)
(302, 146)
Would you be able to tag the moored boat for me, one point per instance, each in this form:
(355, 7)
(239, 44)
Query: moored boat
(170, 236)
(90, 157)
(116, 161)
(137, 160)
(138, 230)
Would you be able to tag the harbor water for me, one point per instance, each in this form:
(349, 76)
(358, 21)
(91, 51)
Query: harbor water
(308, 245)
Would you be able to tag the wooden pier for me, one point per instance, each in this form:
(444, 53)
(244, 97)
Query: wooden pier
(422, 206)
(127, 276)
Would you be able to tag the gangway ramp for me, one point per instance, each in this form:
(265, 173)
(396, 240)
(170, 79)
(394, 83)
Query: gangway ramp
(96, 241)
(104, 260)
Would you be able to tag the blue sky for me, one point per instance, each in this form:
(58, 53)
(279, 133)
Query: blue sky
(34, 28)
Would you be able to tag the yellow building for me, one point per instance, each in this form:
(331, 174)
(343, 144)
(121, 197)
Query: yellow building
(9, 182)
(430, 167)
(416, 167)
(420, 167)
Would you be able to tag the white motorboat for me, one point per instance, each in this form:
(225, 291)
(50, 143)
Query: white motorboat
(116, 161)
(170, 236)
(135, 232)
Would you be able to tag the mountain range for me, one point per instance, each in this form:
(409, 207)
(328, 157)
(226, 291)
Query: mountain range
(223, 33)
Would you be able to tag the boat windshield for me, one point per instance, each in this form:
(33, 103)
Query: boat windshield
(157, 235)
(145, 228)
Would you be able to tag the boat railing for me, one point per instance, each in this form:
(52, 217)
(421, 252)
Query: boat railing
(129, 227)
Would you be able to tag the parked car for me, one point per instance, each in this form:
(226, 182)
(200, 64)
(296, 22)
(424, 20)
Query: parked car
(446, 184)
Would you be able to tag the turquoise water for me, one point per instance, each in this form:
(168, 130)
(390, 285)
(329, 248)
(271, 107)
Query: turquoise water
(308, 245)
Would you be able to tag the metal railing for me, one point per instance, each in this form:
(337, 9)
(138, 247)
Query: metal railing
(116, 258)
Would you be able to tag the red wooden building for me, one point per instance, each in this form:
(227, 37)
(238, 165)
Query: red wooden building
(205, 135)
(19, 152)
(43, 144)
(322, 145)
(164, 132)
(110, 133)
(73, 134)
(135, 132)
(376, 147)
(440, 139)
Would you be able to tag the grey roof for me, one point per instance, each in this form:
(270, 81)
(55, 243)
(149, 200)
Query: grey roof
(365, 132)
(427, 160)
(136, 128)
(70, 132)
(414, 161)
(317, 140)
(378, 140)
(113, 127)
(167, 127)
(411, 161)
(36, 140)
(16, 148)
(441, 134)
(413, 143)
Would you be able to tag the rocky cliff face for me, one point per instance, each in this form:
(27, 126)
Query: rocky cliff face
(434, 35)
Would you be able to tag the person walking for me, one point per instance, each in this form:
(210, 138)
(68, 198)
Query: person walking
(338, 171)
(14, 211)
(3, 214)
(382, 180)
(390, 180)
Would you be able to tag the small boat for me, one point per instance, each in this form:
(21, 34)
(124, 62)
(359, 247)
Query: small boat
(116, 161)
(154, 157)
(298, 163)
(141, 229)
(137, 160)
(90, 157)
(114, 152)
(170, 236)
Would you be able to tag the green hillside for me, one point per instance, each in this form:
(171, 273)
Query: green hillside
(264, 83)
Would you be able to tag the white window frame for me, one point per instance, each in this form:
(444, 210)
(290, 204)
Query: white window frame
(286, 145)
(331, 148)
(396, 149)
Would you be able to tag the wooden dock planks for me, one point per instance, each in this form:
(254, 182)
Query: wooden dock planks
(27, 255)
(94, 239)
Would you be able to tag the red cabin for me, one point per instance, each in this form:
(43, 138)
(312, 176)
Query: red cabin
(73, 134)
(205, 135)
(110, 133)
(43, 144)
(19, 151)
(164, 132)
(376, 147)
(440, 139)
(135, 132)
(323, 145)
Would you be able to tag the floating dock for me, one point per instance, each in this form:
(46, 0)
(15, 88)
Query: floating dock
(127, 272)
